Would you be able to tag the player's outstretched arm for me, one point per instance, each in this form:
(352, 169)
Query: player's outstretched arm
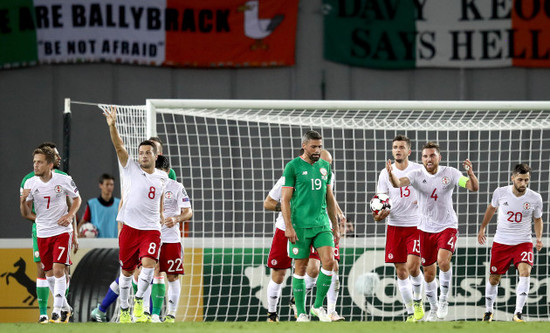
(539, 226)
(481, 238)
(121, 151)
(272, 204)
(472, 184)
(396, 182)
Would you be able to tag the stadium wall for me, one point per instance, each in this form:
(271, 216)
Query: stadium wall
(31, 100)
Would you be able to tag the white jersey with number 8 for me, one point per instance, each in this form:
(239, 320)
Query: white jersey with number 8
(142, 193)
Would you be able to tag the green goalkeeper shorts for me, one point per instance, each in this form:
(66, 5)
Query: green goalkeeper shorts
(317, 236)
(35, 253)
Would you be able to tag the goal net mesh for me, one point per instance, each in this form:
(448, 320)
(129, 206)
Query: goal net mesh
(228, 158)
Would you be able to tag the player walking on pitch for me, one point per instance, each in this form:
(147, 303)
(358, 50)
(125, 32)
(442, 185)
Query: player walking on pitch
(402, 234)
(48, 191)
(142, 216)
(306, 198)
(438, 220)
(517, 206)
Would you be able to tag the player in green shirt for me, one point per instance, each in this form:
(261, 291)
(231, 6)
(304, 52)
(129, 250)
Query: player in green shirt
(305, 201)
(42, 287)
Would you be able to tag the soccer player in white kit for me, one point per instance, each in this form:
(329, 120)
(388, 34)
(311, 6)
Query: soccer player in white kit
(438, 220)
(402, 235)
(177, 209)
(142, 216)
(279, 261)
(517, 206)
(49, 191)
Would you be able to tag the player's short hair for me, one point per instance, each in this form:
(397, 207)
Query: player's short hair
(162, 163)
(48, 144)
(105, 177)
(46, 151)
(158, 140)
(432, 145)
(522, 168)
(149, 143)
(311, 135)
(402, 138)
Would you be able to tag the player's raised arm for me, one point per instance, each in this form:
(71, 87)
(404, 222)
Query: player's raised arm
(121, 151)
(481, 238)
(472, 183)
(539, 226)
(396, 182)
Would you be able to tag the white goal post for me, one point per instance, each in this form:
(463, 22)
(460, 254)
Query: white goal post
(229, 153)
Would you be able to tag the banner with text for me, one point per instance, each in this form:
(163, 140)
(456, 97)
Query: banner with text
(192, 33)
(398, 34)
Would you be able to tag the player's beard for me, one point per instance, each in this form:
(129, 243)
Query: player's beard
(520, 189)
(314, 157)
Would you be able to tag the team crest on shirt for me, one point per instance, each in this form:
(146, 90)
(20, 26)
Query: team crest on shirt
(445, 180)
(323, 171)
(58, 189)
(526, 206)
(168, 195)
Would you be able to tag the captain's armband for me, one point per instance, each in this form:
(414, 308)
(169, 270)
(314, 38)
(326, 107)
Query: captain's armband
(462, 181)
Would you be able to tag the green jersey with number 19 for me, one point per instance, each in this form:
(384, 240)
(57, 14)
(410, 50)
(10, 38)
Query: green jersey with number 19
(309, 200)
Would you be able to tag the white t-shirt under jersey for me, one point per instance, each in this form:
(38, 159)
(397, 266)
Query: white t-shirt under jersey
(515, 215)
(404, 210)
(142, 193)
(435, 198)
(175, 198)
(50, 202)
(276, 193)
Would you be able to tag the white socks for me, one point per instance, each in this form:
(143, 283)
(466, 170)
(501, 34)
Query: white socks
(273, 294)
(310, 283)
(416, 282)
(174, 290)
(144, 280)
(332, 294)
(431, 293)
(405, 287)
(115, 287)
(445, 283)
(60, 286)
(125, 283)
(522, 289)
(490, 296)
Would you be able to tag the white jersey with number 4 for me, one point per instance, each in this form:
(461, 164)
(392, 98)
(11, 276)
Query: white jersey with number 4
(435, 198)
(276, 193)
(175, 198)
(515, 215)
(50, 203)
(142, 193)
(404, 210)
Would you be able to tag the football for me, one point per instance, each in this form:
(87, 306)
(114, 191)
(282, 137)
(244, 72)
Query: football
(380, 201)
(88, 230)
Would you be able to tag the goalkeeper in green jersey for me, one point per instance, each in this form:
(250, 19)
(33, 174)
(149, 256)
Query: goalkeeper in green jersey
(306, 199)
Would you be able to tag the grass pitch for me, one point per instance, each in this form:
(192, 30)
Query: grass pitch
(313, 327)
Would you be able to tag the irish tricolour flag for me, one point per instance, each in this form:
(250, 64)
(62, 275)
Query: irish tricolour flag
(396, 34)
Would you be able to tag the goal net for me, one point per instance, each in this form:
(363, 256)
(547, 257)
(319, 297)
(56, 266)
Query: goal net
(229, 154)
